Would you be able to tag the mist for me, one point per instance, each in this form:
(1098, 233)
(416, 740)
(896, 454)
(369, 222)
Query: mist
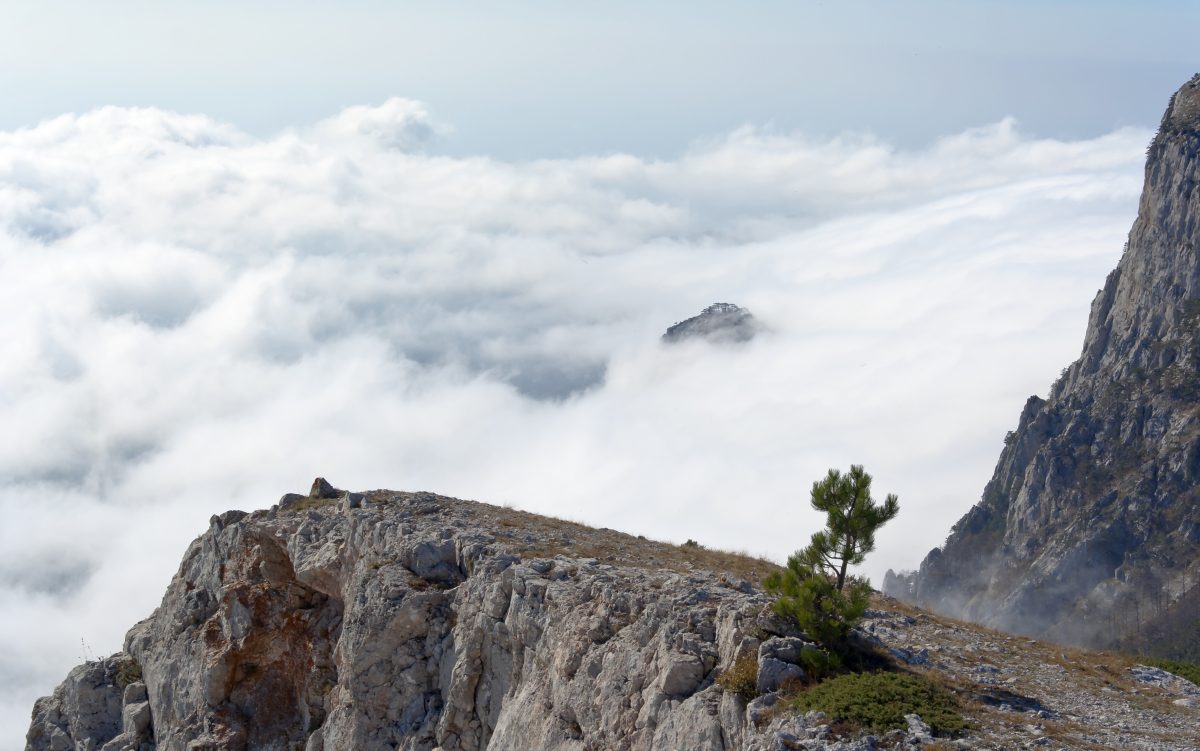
(197, 319)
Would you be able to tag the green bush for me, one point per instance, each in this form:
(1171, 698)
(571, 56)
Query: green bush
(879, 701)
(1187, 670)
(741, 678)
(811, 599)
(820, 663)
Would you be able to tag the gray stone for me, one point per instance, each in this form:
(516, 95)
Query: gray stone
(87, 705)
(286, 501)
(918, 732)
(332, 630)
(322, 489)
(681, 675)
(757, 709)
(136, 718)
(784, 648)
(774, 674)
(134, 693)
(1080, 523)
(910, 657)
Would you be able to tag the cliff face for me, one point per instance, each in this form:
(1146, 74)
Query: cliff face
(1089, 530)
(413, 621)
(410, 621)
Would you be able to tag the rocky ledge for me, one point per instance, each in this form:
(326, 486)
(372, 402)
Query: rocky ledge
(387, 620)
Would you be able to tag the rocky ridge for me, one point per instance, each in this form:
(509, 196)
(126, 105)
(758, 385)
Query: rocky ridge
(720, 322)
(1089, 530)
(413, 621)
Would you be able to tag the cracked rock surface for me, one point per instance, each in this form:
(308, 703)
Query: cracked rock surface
(388, 620)
(1089, 530)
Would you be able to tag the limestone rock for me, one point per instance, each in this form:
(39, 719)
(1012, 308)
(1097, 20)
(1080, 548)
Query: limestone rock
(415, 622)
(322, 489)
(406, 622)
(774, 674)
(1085, 529)
(94, 709)
(779, 660)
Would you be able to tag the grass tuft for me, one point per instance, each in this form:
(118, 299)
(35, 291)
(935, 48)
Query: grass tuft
(129, 671)
(741, 679)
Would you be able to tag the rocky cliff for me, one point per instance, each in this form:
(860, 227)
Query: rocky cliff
(412, 621)
(388, 620)
(1089, 530)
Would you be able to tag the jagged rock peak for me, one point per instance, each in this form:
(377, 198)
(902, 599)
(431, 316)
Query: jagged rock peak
(719, 322)
(322, 489)
(1141, 320)
(1085, 532)
(1183, 112)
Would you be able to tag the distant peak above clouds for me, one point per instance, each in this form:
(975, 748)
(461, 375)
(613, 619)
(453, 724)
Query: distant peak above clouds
(398, 124)
(720, 322)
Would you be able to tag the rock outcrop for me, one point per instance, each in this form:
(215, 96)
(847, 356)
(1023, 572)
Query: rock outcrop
(1089, 530)
(719, 322)
(413, 621)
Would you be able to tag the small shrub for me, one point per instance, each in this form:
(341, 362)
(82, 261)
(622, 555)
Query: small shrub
(1186, 670)
(691, 543)
(129, 671)
(879, 701)
(820, 663)
(741, 678)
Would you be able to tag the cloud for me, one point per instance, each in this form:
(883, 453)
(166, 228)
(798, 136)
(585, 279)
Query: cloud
(397, 124)
(198, 320)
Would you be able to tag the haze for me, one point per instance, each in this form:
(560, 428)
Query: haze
(430, 248)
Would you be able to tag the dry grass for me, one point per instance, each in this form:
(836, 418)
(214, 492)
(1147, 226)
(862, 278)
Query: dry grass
(742, 677)
(1040, 672)
(310, 504)
(562, 537)
(539, 536)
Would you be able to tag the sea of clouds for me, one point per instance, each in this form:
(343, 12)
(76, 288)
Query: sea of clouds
(195, 319)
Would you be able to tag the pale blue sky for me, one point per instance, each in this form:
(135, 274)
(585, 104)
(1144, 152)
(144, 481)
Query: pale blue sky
(200, 308)
(528, 79)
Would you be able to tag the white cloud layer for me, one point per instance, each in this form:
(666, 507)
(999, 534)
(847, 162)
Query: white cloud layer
(196, 320)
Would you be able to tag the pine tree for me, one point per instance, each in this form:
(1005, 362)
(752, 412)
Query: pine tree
(816, 590)
(851, 520)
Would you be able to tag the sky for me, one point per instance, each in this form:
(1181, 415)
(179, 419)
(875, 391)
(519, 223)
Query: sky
(433, 247)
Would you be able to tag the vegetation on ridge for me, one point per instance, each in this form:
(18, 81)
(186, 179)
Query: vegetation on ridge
(817, 592)
(815, 589)
(1187, 670)
(741, 679)
(879, 701)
